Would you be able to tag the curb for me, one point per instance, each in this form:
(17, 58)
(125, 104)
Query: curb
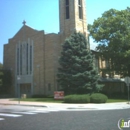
(23, 105)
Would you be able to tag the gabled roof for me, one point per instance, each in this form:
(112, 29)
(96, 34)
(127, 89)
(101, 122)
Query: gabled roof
(26, 29)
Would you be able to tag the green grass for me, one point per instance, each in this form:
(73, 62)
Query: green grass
(51, 100)
(116, 100)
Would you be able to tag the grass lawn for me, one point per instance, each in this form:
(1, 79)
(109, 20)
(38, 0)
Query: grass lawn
(116, 100)
(51, 100)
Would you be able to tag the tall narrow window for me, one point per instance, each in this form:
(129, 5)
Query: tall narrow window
(30, 59)
(80, 9)
(21, 59)
(17, 61)
(67, 9)
(27, 59)
(24, 53)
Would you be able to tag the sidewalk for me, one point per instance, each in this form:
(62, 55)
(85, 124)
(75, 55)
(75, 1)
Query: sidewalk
(65, 106)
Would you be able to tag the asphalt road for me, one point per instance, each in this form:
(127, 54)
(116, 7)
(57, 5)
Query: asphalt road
(62, 120)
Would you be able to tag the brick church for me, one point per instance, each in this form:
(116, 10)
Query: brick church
(32, 55)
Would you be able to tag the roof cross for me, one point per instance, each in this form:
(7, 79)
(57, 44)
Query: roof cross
(24, 22)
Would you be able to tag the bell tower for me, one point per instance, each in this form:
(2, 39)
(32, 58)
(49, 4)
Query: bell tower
(72, 16)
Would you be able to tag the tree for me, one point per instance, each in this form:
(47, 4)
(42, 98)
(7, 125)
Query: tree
(5, 80)
(76, 73)
(112, 32)
(0, 78)
(1, 73)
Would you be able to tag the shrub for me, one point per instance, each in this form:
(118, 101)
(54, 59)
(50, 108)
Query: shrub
(98, 98)
(77, 99)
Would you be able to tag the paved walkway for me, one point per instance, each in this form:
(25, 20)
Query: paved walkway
(90, 106)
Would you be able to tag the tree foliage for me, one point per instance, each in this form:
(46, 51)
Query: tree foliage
(76, 73)
(5, 80)
(1, 74)
(112, 32)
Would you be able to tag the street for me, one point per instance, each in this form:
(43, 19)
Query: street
(14, 117)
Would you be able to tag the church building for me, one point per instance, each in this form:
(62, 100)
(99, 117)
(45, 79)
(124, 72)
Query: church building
(32, 55)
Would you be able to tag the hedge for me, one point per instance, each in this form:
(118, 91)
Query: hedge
(77, 99)
(86, 98)
(98, 98)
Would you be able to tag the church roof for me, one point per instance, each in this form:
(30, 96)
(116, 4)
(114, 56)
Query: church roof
(25, 29)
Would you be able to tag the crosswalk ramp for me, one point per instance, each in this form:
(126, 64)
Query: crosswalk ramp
(2, 115)
(1, 119)
(16, 114)
(9, 115)
(26, 113)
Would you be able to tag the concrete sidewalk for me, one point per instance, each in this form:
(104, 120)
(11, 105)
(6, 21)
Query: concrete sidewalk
(63, 106)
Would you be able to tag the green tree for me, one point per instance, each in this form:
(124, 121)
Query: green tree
(7, 81)
(76, 73)
(112, 32)
(1, 74)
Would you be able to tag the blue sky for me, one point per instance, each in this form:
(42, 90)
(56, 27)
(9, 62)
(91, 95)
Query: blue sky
(44, 15)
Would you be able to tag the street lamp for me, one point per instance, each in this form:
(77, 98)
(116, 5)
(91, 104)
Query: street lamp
(18, 79)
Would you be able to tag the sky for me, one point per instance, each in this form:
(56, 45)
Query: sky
(44, 15)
